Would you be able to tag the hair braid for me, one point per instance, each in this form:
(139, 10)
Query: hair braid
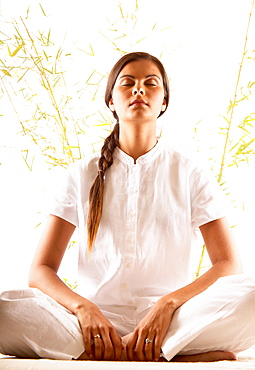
(97, 189)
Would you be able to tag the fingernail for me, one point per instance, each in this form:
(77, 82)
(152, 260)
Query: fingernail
(90, 356)
(156, 359)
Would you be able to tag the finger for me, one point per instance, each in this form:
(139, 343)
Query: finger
(108, 351)
(131, 346)
(98, 346)
(139, 347)
(149, 347)
(87, 342)
(117, 345)
(157, 347)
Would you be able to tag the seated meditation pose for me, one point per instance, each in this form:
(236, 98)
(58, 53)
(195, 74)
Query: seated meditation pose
(138, 206)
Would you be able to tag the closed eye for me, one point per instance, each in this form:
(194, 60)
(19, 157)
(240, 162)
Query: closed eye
(127, 82)
(151, 82)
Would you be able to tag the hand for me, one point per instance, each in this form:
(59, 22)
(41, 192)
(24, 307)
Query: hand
(101, 340)
(154, 327)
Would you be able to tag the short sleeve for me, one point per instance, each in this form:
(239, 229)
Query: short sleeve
(208, 202)
(64, 199)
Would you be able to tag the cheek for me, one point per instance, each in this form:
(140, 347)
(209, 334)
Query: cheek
(116, 97)
(119, 101)
(159, 98)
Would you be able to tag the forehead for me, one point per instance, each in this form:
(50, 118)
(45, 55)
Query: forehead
(140, 68)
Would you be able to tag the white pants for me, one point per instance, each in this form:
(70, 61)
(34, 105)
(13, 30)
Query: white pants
(220, 318)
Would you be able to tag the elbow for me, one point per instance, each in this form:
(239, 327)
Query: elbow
(238, 268)
(234, 267)
(34, 276)
(237, 265)
(31, 278)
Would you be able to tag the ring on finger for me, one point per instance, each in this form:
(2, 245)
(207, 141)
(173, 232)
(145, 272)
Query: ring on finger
(147, 340)
(97, 336)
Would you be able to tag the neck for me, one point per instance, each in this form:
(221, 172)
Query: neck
(137, 143)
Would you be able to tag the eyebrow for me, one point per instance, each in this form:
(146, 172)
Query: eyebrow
(134, 76)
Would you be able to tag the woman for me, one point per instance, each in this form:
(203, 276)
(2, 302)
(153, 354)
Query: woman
(137, 207)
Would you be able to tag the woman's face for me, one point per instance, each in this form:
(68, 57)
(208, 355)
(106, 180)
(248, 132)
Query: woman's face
(138, 94)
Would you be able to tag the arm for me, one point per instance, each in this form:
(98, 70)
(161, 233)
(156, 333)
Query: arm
(225, 261)
(43, 275)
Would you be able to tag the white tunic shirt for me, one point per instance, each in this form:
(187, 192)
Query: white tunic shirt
(150, 212)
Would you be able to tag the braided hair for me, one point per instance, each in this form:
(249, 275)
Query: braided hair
(97, 189)
(111, 142)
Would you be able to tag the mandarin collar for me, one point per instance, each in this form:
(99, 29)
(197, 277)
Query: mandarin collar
(145, 158)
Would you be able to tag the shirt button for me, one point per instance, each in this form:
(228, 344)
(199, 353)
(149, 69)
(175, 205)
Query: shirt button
(130, 240)
(132, 213)
(128, 265)
(123, 286)
(129, 302)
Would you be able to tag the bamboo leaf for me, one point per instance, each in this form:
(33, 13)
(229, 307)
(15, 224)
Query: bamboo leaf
(145, 37)
(120, 37)
(56, 81)
(16, 50)
(70, 147)
(165, 29)
(9, 51)
(91, 51)
(28, 9)
(23, 75)
(46, 56)
(244, 129)
(59, 53)
(3, 64)
(20, 37)
(6, 72)
(225, 118)
(48, 37)
(42, 10)
(45, 69)
(153, 28)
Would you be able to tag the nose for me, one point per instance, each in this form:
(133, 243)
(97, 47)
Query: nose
(138, 91)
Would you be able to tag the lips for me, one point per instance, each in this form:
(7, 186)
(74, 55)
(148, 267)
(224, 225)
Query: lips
(138, 102)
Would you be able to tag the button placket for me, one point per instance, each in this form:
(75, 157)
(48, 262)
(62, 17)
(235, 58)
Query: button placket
(133, 185)
(130, 245)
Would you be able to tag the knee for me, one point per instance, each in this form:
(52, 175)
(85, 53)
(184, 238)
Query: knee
(3, 308)
(244, 286)
(12, 309)
(6, 312)
(5, 315)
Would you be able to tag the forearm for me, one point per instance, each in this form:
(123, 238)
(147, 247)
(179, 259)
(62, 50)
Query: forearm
(224, 256)
(45, 279)
(219, 269)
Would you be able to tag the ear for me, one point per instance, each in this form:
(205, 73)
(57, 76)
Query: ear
(111, 105)
(163, 108)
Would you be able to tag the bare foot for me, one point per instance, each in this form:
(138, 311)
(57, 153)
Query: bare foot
(206, 357)
(84, 356)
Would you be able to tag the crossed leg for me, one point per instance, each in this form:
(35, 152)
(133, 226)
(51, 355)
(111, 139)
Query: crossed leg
(212, 326)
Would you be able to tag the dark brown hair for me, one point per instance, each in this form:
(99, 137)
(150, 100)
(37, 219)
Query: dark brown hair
(112, 141)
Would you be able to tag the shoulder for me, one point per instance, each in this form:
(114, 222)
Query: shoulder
(190, 165)
(88, 164)
(182, 158)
